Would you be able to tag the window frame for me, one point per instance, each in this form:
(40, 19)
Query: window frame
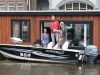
(11, 6)
(62, 7)
(3, 6)
(79, 6)
(19, 6)
(20, 22)
(76, 21)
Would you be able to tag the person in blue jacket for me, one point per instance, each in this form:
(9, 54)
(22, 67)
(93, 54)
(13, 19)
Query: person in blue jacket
(45, 37)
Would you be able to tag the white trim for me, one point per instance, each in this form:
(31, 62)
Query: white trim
(3, 3)
(72, 6)
(85, 35)
(65, 6)
(73, 50)
(86, 6)
(19, 6)
(51, 11)
(3, 6)
(10, 6)
(69, 27)
(79, 6)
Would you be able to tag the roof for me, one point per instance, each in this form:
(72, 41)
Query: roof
(52, 12)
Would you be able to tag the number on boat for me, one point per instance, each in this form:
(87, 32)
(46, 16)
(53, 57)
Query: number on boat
(25, 55)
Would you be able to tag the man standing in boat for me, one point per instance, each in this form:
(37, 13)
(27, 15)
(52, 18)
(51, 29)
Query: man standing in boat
(77, 34)
(62, 35)
(54, 25)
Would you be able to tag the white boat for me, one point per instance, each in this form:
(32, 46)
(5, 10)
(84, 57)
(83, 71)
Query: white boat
(37, 52)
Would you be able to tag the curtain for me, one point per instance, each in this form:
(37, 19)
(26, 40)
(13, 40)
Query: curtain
(16, 29)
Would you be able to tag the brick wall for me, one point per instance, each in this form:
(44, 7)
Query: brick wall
(15, 2)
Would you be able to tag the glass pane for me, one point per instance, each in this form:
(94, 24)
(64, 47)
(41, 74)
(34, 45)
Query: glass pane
(19, 4)
(25, 30)
(11, 4)
(39, 8)
(82, 5)
(2, 4)
(69, 5)
(20, 9)
(62, 7)
(75, 6)
(2, 8)
(11, 8)
(89, 7)
(16, 29)
(78, 34)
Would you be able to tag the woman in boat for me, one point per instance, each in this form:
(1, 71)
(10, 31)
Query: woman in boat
(45, 37)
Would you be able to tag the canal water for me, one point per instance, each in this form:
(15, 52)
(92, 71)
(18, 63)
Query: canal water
(16, 67)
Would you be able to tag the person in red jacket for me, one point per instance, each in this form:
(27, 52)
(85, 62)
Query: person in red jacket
(54, 25)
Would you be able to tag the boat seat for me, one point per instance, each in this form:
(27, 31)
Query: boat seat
(56, 46)
(65, 45)
(49, 46)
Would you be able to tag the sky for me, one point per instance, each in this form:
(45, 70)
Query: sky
(55, 2)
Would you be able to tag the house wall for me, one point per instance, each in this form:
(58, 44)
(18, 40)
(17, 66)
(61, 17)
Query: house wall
(5, 27)
(15, 2)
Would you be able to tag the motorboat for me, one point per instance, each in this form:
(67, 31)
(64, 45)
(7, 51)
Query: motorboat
(38, 52)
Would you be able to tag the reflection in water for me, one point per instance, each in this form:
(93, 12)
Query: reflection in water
(9, 67)
(90, 69)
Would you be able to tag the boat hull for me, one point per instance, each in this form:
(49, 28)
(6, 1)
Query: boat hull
(38, 54)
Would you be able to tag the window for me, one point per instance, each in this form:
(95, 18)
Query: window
(2, 6)
(76, 6)
(69, 6)
(79, 33)
(89, 7)
(21, 29)
(11, 6)
(82, 6)
(19, 6)
(62, 7)
(25, 30)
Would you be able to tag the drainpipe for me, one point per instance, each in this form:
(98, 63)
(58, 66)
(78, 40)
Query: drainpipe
(29, 4)
(6, 6)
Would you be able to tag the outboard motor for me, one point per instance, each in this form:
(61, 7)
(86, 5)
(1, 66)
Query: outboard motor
(90, 53)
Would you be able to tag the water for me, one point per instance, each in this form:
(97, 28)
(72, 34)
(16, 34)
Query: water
(16, 67)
